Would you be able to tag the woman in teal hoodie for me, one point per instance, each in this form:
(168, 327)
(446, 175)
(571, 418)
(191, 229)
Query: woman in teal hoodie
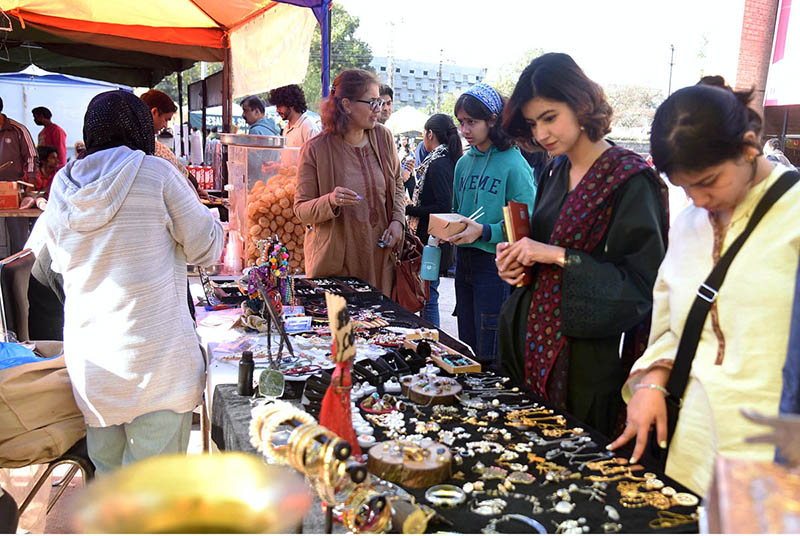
(492, 173)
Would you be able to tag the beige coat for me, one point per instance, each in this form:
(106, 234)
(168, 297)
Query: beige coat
(316, 180)
(755, 308)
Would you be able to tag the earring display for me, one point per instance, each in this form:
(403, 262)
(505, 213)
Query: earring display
(432, 390)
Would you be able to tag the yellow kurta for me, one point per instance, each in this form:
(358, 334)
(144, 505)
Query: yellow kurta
(754, 307)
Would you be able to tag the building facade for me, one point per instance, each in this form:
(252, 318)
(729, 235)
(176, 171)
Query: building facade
(415, 82)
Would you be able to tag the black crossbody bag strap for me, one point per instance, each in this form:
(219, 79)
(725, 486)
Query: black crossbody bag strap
(707, 295)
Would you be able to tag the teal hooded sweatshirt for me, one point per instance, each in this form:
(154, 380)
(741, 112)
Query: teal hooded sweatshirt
(490, 180)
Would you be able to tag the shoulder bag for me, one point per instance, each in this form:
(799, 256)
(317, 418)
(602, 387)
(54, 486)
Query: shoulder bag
(706, 296)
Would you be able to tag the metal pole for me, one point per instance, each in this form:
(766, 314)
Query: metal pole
(783, 130)
(439, 83)
(180, 113)
(671, 63)
(205, 105)
(227, 91)
(326, 49)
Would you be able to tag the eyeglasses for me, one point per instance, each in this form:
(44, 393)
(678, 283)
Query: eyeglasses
(374, 104)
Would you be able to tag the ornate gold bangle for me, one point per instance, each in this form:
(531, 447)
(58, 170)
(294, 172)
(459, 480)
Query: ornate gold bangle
(359, 517)
(260, 416)
(300, 440)
(309, 452)
(333, 470)
(278, 455)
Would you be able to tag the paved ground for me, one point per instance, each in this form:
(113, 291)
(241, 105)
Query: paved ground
(447, 304)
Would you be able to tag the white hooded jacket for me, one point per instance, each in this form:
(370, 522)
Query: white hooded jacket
(121, 227)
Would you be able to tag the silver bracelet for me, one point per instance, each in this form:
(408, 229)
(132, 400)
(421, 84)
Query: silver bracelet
(651, 386)
(491, 527)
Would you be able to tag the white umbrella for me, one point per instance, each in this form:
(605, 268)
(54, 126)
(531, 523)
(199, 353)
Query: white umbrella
(407, 119)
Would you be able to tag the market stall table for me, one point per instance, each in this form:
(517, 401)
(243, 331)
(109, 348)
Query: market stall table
(216, 336)
(20, 213)
(480, 435)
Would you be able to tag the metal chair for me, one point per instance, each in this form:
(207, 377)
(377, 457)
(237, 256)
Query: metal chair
(77, 457)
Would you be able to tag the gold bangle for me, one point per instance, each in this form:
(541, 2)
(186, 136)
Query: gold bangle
(300, 439)
(333, 470)
(260, 416)
(278, 455)
(358, 516)
(294, 445)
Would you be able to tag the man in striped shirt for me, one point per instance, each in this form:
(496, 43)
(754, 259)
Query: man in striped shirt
(17, 147)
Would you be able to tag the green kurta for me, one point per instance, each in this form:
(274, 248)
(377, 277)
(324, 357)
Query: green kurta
(605, 293)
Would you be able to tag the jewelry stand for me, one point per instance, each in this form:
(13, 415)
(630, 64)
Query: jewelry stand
(271, 316)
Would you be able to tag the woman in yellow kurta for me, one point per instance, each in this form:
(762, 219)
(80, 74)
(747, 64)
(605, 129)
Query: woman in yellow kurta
(706, 140)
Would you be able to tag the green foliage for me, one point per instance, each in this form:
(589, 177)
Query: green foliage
(448, 103)
(505, 78)
(347, 52)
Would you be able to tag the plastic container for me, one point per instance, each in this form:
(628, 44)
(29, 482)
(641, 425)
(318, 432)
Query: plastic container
(262, 176)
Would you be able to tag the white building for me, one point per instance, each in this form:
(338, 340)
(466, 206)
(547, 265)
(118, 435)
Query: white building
(415, 81)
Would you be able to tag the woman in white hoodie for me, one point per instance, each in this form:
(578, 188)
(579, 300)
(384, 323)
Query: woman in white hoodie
(121, 227)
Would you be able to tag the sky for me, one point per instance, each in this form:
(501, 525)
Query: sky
(614, 41)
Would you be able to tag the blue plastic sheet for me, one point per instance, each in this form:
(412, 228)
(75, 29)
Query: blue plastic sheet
(14, 354)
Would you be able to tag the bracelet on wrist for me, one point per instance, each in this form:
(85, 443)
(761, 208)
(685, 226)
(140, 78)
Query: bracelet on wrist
(654, 386)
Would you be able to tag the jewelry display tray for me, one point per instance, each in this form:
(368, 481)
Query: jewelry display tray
(463, 520)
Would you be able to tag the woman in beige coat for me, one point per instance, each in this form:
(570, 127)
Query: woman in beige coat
(349, 188)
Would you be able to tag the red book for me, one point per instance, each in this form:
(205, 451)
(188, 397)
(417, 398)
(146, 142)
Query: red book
(517, 225)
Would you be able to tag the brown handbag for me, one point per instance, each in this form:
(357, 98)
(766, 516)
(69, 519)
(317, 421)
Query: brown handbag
(410, 291)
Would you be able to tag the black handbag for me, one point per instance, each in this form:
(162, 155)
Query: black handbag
(706, 296)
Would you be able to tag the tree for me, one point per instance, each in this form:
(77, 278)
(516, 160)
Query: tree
(448, 103)
(701, 54)
(506, 77)
(634, 108)
(347, 52)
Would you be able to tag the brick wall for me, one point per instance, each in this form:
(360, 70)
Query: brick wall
(755, 47)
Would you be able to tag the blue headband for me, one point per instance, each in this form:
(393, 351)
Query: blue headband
(488, 96)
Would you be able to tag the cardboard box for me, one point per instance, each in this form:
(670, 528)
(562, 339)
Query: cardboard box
(9, 195)
(445, 225)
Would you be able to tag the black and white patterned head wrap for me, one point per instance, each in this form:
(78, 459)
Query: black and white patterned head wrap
(117, 118)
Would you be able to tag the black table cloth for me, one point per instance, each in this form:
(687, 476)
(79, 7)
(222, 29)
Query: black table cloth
(230, 431)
